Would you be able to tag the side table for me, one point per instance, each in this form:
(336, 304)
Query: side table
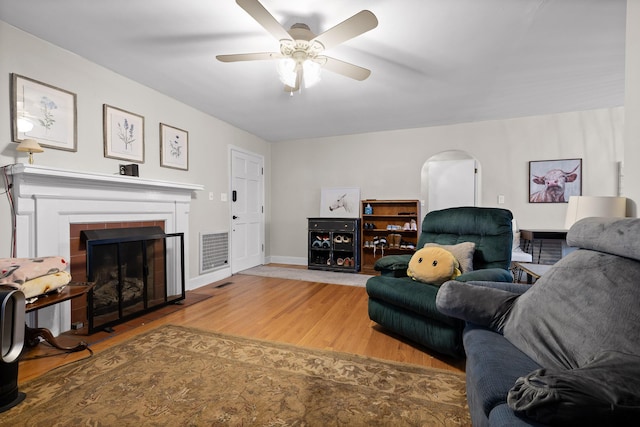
(32, 335)
(530, 236)
(533, 271)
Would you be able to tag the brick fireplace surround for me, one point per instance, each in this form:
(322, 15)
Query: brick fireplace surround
(53, 205)
(78, 259)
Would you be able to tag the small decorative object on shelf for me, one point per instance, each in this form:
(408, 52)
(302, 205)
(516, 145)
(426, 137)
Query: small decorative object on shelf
(334, 244)
(388, 227)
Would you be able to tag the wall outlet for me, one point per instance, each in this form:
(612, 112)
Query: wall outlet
(501, 199)
(211, 195)
(77, 325)
(223, 197)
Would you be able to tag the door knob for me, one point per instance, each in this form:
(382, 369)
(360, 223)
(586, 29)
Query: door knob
(234, 217)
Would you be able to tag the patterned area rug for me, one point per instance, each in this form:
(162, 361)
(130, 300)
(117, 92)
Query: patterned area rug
(332, 277)
(182, 376)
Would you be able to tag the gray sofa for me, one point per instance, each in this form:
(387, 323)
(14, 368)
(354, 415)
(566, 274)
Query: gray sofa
(564, 351)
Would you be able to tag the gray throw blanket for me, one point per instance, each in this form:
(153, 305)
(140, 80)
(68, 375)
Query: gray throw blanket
(604, 392)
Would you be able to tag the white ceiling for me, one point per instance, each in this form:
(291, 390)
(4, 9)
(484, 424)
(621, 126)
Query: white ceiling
(433, 62)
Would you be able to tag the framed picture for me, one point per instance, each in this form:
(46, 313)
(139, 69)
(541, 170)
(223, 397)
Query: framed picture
(174, 147)
(123, 134)
(554, 181)
(43, 112)
(340, 202)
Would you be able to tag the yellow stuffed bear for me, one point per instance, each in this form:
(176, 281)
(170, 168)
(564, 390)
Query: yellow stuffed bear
(433, 265)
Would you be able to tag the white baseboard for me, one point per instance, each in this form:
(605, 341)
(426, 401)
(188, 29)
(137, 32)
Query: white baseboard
(286, 260)
(205, 279)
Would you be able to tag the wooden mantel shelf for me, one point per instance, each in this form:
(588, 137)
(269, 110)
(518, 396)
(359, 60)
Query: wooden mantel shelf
(38, 172)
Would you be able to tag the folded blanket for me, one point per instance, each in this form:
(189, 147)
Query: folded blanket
(604, 392)
(34, 276)
(20, 270)
(42, 285)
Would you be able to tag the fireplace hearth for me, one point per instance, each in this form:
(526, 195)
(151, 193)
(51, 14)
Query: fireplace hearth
(135, 270)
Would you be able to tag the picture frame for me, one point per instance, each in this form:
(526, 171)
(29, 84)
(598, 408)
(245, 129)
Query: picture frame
(43, 112)
(340, 202)
(554, 181)
(123, 134)
(174, 147)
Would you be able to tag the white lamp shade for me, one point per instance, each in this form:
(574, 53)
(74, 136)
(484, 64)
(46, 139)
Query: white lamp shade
(594, 206)
(29, 146)
(287, 71)
(311, 72)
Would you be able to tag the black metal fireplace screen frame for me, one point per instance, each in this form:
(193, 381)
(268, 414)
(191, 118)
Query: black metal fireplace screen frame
(173, 270)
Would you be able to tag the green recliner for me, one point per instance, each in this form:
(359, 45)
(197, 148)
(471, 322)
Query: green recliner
(408, 308)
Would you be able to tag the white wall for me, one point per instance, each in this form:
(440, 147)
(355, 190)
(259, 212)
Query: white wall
(387, 165)
(384, 165)
(631, 179)
(94, 85)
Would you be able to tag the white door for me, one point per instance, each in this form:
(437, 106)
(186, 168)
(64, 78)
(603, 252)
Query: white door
(452, 183)
(247, 210)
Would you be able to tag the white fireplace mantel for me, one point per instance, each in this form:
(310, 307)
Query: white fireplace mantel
(57, 180)
(48, 200)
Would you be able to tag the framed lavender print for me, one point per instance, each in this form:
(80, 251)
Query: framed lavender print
(174, 147)
(123, 134)
(554, 181)
(43, 112)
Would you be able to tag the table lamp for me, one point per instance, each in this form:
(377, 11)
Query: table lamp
(30, 146)
(594, 206)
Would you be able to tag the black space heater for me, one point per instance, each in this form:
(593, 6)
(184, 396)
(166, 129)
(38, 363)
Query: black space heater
(12, 321)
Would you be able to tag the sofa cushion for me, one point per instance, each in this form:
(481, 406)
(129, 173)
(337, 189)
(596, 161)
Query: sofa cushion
(587, 303)
(463, 252)
(493, 365)
(503, 416)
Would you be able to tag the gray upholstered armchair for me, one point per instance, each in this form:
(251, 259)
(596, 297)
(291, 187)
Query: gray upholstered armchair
(407, 307)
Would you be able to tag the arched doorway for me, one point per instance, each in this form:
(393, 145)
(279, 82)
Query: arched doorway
(450, 178)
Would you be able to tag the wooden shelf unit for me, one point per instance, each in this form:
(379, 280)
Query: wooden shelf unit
(387, 213)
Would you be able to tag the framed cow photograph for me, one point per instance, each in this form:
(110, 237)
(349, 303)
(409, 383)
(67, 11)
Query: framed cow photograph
(554, 181)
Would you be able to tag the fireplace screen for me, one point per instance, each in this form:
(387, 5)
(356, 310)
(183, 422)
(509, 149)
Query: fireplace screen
(135, 270)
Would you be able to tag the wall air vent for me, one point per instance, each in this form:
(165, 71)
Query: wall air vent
(214, 251)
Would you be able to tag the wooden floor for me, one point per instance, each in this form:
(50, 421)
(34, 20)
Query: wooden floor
(307, 314)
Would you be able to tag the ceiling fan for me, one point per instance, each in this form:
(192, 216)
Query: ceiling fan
(300, 57)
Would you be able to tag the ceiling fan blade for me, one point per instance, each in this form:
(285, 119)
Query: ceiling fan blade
(359, 23)
(346, 69)
(264, 18)
(249, 57)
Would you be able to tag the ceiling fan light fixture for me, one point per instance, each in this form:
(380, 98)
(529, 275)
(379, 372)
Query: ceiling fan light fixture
(311, 73)
(300, 57)
(287, 71)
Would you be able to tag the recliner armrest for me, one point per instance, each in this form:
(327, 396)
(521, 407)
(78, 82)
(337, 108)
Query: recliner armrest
(486, 275)
(393, 265)
(482, 305)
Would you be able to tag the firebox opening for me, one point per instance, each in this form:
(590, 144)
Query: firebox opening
(135, 270)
